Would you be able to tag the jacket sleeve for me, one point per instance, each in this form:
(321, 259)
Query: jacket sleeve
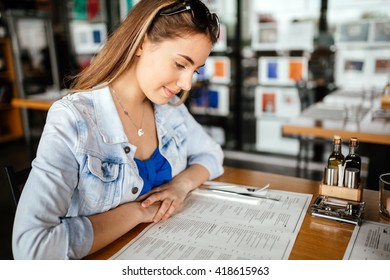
(202, 149)
(42, 229)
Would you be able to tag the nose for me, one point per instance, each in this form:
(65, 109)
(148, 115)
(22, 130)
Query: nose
(185, 81)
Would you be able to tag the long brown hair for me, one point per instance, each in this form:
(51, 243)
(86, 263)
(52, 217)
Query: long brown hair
(118, 53)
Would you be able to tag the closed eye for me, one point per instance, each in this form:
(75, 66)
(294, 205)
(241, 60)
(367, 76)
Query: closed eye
(180, 66)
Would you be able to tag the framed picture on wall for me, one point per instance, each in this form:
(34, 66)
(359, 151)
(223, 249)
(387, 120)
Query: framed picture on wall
(218, 69)
(351, 68)
(88, 38)
(381, 32)
(369, 33)
(210, 100)
(382, 66)
(265, 36)
(91, 11)
(282, 70)
(297, 36)
(362, 68)
(277, 102)
(378, 67)
(353, 32)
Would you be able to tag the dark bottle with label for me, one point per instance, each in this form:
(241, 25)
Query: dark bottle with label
(353, 160)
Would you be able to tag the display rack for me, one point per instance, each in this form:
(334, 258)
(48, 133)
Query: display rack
(212, 99)
(363, 56)
(279, 63)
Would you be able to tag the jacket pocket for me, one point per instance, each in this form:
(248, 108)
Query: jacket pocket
(98, 184)
(105, 170)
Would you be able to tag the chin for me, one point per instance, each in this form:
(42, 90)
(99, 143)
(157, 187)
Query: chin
(161, 101)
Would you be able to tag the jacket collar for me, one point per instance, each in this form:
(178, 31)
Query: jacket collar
(107, 118)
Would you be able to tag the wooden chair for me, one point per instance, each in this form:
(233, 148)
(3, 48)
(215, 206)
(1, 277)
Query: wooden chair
(16, 180)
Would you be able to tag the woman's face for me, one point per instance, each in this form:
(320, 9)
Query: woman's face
(166, 68)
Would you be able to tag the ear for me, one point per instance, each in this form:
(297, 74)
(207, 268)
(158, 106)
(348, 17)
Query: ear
(142, 46)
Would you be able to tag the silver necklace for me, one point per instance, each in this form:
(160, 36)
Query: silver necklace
(140, 131)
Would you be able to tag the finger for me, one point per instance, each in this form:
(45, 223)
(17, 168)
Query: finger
(169, 212)
(146, 195)
(151, 199)
(163, 209)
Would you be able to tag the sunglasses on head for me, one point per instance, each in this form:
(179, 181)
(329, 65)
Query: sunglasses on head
(201, 15)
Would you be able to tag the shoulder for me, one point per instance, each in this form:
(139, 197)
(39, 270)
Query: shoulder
(76, 99)
(78, 102)
(69, 110)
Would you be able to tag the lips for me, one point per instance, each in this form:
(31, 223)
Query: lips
(169, 93)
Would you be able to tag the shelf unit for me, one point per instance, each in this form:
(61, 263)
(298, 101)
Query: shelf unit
(11, 125)
(214, 99)
(273, 65)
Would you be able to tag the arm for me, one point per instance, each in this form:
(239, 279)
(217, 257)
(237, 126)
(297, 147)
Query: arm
(48, 225)
(110, 225)
(173, 194)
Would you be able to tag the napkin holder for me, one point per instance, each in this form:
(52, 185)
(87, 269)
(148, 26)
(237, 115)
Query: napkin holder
(341, 210)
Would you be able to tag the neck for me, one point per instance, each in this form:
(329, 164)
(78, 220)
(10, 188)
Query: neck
(128, 91)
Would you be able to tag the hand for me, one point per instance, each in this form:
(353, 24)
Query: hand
(171, 196)
(148, 213)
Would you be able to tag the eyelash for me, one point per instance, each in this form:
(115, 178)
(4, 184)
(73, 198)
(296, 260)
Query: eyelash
(178, 65)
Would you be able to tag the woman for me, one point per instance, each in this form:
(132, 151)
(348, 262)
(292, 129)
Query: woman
(122, 149)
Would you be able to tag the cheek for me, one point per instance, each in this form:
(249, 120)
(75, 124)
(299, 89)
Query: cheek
(145, 73)
(152, 73)
(151, 77)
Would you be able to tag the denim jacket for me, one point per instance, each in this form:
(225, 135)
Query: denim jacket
(85, 165)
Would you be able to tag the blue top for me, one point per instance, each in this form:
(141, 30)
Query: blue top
(155, 171)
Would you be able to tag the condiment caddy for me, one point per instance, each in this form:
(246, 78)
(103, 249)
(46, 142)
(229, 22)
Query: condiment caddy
(341, 192)
(342, 174)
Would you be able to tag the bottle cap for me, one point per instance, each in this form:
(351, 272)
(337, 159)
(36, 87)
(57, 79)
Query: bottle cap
(337, 139)
(354, 141)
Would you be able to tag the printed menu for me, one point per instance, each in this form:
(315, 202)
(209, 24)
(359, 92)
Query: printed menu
(370, 241)
(216, 225)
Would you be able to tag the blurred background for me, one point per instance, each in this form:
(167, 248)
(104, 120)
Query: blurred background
(274, 60)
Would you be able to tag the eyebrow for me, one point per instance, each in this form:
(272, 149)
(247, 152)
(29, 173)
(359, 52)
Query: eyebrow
(189, 59)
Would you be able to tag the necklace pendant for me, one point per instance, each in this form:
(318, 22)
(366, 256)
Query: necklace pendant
(140, 132)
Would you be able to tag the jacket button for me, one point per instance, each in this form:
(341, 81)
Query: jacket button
(134, 190)
(127, 149)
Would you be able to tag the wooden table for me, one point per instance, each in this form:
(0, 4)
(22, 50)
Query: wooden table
(302, 127)
(317, 239)
(42, 105)
(345, 113)
(35, 104)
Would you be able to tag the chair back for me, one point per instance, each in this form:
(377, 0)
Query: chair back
(303, 93)
(16, 180)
